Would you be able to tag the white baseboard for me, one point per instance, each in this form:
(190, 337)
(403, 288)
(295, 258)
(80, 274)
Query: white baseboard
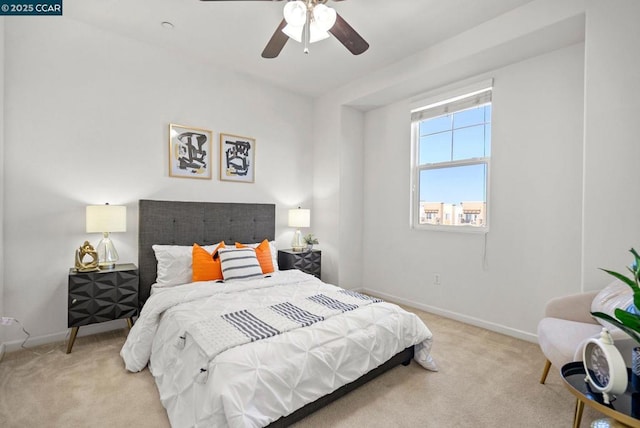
(62, 336)
(498, 328)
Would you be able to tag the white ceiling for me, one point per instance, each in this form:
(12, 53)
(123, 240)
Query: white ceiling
(233, 34)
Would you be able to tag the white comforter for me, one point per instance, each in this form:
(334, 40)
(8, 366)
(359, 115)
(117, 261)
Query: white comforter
(254, 384)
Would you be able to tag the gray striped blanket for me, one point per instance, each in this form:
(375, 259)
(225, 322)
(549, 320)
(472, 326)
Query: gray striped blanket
(217, 334)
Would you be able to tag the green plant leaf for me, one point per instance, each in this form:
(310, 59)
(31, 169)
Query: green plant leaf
(631, 332)
(630, 282)
(627, 318)
(636, 300)
(637, 264)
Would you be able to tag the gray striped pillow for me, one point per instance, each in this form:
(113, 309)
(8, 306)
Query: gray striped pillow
(239, 264)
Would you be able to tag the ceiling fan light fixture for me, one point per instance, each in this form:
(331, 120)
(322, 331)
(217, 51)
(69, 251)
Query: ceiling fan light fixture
(309, 21)
(294, 32)
(316, 33)
(295, 13)
(324, 17)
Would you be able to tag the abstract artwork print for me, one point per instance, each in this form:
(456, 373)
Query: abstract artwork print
(189, 152)
(237, 158)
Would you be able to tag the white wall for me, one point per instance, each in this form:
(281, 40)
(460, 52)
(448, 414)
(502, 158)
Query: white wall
(326, 186)
(564, 167)
(87, 123)
(351, 197)
(537, 27)
(338, 182)
(612, 138)
(532, 249)
(533, 50)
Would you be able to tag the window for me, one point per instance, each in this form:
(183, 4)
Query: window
(451, 142)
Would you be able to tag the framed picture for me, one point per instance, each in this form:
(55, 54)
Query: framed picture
(237, 158)
(189, 152)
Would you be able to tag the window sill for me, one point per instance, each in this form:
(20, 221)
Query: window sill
(454, 229)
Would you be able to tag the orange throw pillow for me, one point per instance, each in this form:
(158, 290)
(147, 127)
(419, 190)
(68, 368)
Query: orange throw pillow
(206, 267)
(263, 254)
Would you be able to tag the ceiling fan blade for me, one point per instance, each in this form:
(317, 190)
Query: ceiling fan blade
(349, 37)
(276, 43)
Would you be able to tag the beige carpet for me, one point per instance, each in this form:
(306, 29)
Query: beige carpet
(485, 380)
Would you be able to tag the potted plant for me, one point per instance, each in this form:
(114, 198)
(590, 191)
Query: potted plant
(627, 320)
(310, 240)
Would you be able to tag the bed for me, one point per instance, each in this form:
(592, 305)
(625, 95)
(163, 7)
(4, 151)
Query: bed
(208, 374)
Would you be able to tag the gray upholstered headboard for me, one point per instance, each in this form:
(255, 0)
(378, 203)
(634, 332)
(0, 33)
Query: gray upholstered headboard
(205, 223)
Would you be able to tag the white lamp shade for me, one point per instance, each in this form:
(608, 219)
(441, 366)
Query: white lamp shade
(324, 17)
(106, 218)
(295, 13)
(294, 32)
(299, 218)
(316, 34)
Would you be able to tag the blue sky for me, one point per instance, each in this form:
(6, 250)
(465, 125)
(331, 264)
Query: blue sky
(459, 136)
(453, 185)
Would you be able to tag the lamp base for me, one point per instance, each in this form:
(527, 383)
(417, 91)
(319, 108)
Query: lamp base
(106, 266)
(107, 254)
(297, 244)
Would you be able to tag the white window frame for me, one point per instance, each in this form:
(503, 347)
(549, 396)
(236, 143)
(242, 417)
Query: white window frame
(451, 102)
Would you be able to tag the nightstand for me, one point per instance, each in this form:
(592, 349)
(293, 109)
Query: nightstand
(306, 261)
(100, 296)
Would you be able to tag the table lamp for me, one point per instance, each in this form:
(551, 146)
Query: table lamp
(299, 218)
(106, 219)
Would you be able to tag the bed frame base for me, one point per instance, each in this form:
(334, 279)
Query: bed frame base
(403, 357)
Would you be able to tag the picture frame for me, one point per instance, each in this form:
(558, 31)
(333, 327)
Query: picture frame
(237, 158)
(190, 154)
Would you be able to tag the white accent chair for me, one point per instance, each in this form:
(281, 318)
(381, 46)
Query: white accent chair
(568, 324)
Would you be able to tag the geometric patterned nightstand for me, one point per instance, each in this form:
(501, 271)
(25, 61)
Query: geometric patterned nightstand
(101, 296)
(306, 261)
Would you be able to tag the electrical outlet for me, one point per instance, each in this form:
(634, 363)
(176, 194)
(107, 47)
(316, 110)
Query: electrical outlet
(6, 320)
(436, 279)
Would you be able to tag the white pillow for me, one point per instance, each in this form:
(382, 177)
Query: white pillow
(239, 264)
(613, 296)
(274, 252)
(175, 263)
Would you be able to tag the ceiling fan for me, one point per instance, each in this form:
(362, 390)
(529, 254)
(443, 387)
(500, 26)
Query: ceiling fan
(308, 21)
